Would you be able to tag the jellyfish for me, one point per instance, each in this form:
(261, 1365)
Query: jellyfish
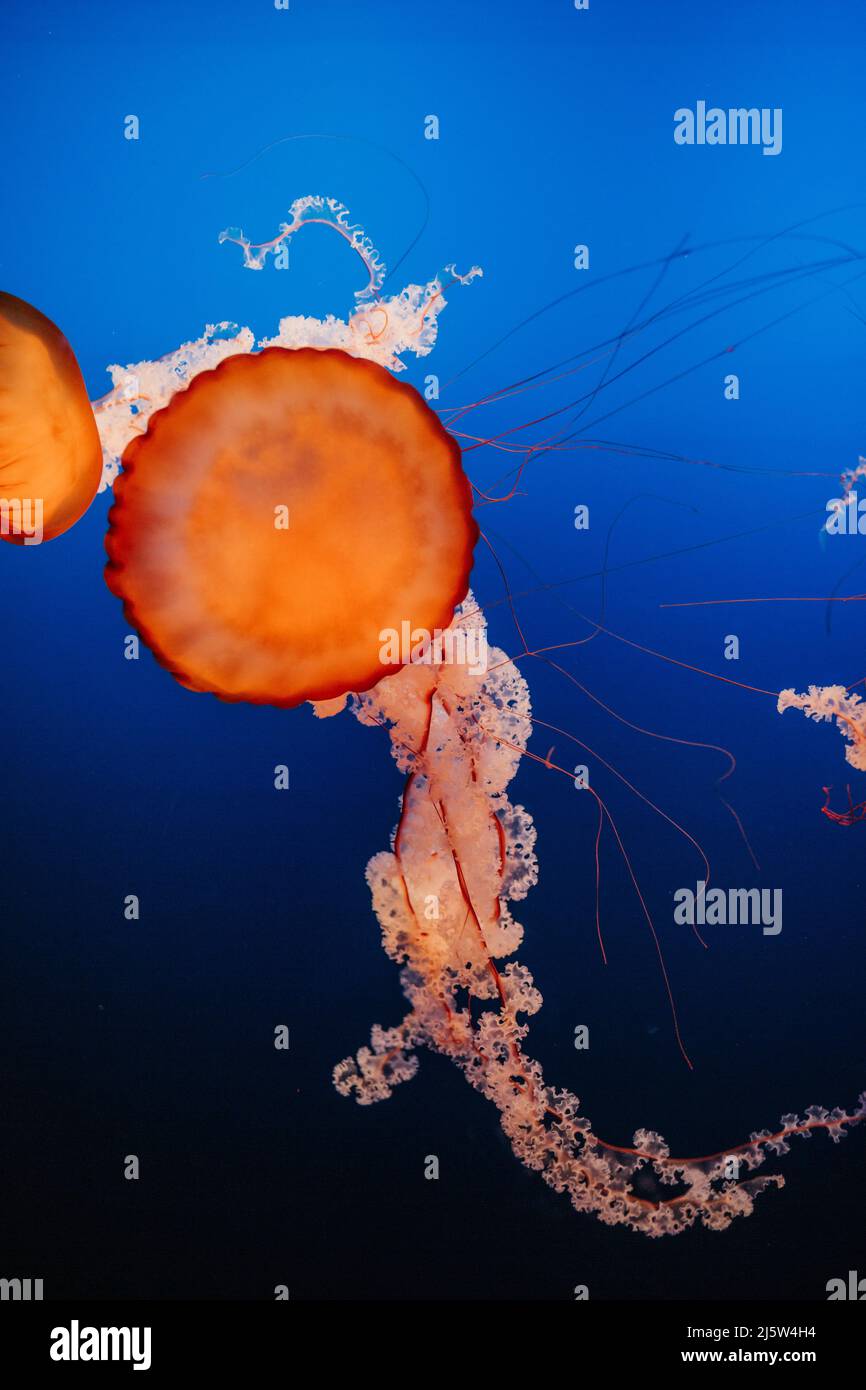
(50, 450)
(829, 702)
(825, 704)
(462, 852)
(286, 509)
(281, 517)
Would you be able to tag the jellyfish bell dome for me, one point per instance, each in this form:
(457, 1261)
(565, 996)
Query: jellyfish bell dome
(50, 452)
(282, 518)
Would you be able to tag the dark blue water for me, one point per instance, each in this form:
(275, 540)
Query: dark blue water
(155, 1038)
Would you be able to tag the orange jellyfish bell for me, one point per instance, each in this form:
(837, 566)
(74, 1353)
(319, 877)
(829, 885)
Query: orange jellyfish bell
(283, 519)
(50, 454)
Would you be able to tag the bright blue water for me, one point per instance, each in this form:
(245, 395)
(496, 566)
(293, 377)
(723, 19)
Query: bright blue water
(155, 1039)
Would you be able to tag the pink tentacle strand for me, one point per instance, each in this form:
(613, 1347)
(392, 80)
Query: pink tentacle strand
(461, 854)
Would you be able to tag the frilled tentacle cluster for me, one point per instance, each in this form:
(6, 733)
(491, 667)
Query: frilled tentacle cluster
(460, 855)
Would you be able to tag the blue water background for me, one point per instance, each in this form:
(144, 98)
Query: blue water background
(155, 1038)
